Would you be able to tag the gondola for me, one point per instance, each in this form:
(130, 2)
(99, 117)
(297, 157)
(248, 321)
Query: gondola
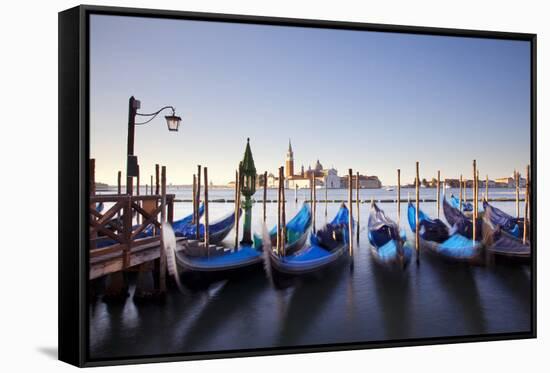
(508, 223)
(296, 229)
(466, 206)
(200, 267)
(502, 242)
(182, 225)
(327, 245)
(436, 237)
(217, 231)
(219, 259)
(388, 246)
(461, 223)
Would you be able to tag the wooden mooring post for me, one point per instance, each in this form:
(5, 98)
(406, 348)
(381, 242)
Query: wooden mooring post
(460, 193)
(350, 207)
(279, 207)
(474, 193)
(157, 179)
(119, 183)
(237, 208)
(465, 191)
(194, 199)
(527, 201)
(197, 224)
(119, 190)
(265, 198)
(398, 197)
(295, 193)
(438, 195)
(313, 199)
(477, 195)
(357, 201)
(283, 212)
(206, 219)
(311, 192)
(417, 225)
(326, 199)
(516, 179)
(162, 256)
(138, 217)
(151, 185)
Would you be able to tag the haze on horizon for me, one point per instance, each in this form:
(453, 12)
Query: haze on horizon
(370, 101)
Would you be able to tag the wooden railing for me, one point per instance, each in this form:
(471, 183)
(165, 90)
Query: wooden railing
(122, 230)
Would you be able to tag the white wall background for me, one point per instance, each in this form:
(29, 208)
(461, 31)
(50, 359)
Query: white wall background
(28, 163)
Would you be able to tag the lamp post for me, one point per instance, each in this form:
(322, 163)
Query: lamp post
(247, 181)
(172, 121)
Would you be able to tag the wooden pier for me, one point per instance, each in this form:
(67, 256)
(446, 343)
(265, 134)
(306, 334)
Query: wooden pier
(129, 248)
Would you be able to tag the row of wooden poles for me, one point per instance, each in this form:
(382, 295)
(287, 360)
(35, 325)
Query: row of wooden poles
(281, 208)
(281, 234)
(196, 206)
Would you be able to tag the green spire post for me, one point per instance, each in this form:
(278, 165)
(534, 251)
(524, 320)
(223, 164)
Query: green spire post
(247, 178)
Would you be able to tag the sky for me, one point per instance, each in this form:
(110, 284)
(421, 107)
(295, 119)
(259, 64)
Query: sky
(370, 101)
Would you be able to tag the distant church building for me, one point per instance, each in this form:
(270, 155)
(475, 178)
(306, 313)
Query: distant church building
(323, 177)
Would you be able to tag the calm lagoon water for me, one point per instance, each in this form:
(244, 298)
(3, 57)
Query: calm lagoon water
(431, 299)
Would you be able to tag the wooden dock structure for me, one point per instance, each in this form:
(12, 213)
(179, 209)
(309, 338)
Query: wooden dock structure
(129, 248)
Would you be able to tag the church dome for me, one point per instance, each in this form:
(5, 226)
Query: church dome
(318, 166)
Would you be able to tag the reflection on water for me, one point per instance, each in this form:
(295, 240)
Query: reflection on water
(392, 290)
(307, 301)
(342, 304)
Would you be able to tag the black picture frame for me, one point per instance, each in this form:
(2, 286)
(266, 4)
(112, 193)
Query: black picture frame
(74, 184)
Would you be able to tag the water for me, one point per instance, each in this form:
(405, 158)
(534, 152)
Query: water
(367, 303)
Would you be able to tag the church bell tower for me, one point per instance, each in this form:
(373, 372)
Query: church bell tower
(289, 169)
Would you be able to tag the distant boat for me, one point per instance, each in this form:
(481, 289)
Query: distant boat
(327, 245)
(388, 246)
(390, 189)
(436, 237)
(296, 230)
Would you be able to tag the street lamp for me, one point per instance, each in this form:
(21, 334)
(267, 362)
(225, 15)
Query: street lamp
(247, 174)
(172, 121)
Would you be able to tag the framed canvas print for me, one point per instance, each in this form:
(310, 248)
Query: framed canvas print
(237, 185)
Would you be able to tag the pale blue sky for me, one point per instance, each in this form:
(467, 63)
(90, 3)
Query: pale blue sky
(371, 101)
